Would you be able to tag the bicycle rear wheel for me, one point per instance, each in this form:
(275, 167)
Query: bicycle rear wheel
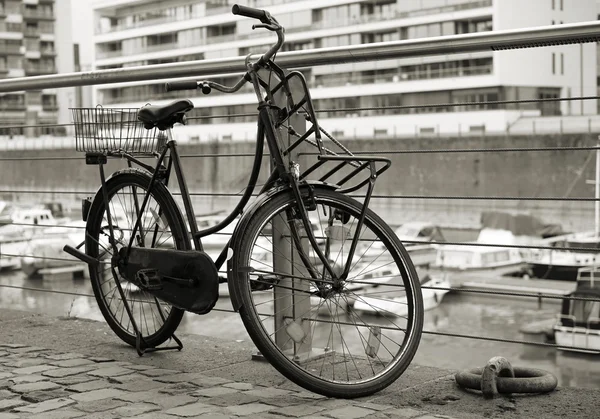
(161, 226)
(340, 341)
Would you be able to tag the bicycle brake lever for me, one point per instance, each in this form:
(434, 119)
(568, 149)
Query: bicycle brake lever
(265, 26)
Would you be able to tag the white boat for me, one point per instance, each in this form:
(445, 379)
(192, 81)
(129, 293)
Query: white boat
(390, 298)
(565, 262)
(25, 225)
(578, 326)
(419, 238)
(498, 228)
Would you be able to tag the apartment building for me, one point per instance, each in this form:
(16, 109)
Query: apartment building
(142, 32)
(35, 40)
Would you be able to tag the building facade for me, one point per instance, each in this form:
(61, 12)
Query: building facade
(132, 33)
(35, 40)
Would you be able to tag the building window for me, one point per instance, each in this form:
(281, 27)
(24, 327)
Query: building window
(561, 4)
(553, 63)
(552, 4)
(562, 63)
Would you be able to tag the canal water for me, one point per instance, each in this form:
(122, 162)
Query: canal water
(459, 314)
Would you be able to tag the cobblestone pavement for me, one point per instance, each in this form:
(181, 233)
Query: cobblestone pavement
(42, 383)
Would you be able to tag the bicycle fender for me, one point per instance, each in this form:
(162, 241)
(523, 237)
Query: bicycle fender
(240, 228)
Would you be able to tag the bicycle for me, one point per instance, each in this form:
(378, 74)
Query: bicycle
(302, 253)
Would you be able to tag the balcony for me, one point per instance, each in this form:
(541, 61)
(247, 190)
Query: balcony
(29, 14)
(12, 106)
(148, 22)
(48, 52)
(31, 32)
(38, 70)
(10, 49)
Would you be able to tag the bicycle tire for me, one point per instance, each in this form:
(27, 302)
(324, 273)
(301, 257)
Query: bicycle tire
(133, 183)
(299, 363)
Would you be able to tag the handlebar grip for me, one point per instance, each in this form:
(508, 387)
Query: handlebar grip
(181, 85)
(259, 14)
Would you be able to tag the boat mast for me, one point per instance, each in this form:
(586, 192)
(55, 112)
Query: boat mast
(597, 201)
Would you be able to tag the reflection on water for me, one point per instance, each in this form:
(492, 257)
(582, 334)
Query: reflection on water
(458, 314)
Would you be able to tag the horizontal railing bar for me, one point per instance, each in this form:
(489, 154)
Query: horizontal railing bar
(458, 197)
(384, 152)
(483, 41)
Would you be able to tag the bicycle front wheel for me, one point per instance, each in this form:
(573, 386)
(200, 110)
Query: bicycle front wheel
(161, 226)
(346, 339)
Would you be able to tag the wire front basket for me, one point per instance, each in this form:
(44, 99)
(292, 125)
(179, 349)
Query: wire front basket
(114, 130)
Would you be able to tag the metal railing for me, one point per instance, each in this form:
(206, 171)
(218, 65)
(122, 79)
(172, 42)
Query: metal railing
(556, 35)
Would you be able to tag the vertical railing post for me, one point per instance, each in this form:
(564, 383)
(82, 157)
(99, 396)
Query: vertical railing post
(291, 300)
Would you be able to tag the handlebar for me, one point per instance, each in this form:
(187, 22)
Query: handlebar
(259, 14)
(268, 22)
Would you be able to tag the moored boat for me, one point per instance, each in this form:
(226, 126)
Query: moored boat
(578, 326)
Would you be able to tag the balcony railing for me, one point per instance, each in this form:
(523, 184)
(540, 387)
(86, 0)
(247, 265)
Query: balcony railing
(31, 32)
(38, 14)
(10, 49)
(148, 22)
(36, 70)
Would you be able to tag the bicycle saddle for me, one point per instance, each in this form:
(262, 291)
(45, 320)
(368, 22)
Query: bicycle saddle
(164, 116)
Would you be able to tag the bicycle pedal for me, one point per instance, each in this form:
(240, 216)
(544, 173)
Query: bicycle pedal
(149, 279)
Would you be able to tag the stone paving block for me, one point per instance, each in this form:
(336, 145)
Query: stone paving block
(374, 406)
(36, 386)
(349, 412)
(154, 415)
(73, 379)
(66, 372)
(284, 401)
(191, 410)
(239, 386)
(123, 379)
(168, 402)
(207, 381)
(214, 391)
(140, 367)
(4, 375)
(268, 392)
(8, 404)
(5, 394)
(41, 396)
(100, 405)
(92, 395)
(4, 353)
(307, 395)
(214, 415)
(141, 396)
(45, 406)
(29, 349)
(143, 385)
(34, 369)
(99, 359)
(181, 377)
(12, 345)
(67, 355)
(110, 372)
(233, 399)
(296, 411)
(178, 388)
(58, 414)
(88, 386)
(405, 412)
(5, 415)
(30, 378)
(74, 362)
(158, 372)
(249, 409)
(26, 362)
(135, 409)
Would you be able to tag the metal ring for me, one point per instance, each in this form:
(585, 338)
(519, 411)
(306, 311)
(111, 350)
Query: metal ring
(526, 380)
